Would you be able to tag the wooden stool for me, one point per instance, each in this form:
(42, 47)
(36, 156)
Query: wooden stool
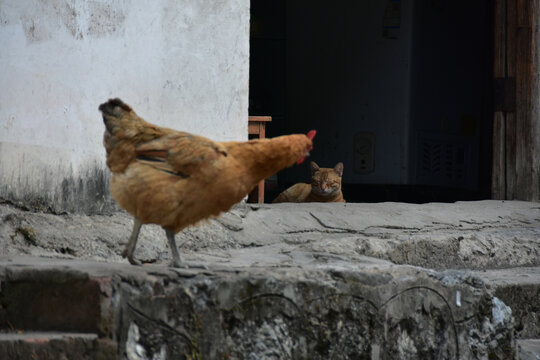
(257, 126)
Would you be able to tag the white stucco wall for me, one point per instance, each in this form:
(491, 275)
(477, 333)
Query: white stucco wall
(179, 63)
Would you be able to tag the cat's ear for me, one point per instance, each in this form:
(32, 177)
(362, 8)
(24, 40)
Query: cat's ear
(339, 168)
(314, 167)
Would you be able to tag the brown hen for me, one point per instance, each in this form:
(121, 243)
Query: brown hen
(176, 179)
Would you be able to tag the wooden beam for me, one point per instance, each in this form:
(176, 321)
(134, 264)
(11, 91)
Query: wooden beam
(498, 172)
(527, 121)
(516, 121)
(510, 125)
(498, 177)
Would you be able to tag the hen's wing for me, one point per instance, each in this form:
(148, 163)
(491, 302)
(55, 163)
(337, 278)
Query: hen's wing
(181, 154)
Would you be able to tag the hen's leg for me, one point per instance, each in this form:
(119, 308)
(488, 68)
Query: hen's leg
(130, 247)
(175, 262)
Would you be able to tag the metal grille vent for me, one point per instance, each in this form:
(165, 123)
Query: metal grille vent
(446, 161)
(443, 160)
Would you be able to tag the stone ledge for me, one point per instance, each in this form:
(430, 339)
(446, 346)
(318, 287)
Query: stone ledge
(518, 288)
(474, 235)
(318, 311)
(56, 345)
(311, 281)
(528, 349)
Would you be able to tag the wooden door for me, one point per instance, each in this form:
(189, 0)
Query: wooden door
(516, 138)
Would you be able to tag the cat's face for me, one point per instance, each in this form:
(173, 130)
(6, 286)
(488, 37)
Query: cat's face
(326, 181)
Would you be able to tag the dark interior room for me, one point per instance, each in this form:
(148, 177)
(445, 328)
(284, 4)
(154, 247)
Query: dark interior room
(399, 91)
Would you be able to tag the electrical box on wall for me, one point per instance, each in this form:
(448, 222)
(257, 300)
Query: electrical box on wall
(364, 152)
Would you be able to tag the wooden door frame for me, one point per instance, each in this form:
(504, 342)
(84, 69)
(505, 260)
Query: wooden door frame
(516, 122)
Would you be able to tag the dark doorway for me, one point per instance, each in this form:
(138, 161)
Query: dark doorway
(410, 80)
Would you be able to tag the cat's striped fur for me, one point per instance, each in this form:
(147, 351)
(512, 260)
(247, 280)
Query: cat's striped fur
(325, 186)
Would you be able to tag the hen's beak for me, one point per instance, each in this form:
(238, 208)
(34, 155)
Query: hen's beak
(311, 134)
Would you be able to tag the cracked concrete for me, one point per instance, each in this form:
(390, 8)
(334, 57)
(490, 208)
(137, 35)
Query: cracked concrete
(475, 235)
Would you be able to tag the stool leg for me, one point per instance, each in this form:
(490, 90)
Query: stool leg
(261, 192)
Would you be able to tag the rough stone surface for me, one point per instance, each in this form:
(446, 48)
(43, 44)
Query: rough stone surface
(317, 281)
(55, 346)
(519, 288)
(330, 309)
(529, 349)
(473, 235)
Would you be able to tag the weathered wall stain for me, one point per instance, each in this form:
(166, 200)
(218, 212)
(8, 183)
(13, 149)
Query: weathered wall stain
(104, 19)
(86, 193)
(34, 29)
(53, 179)
(89, 18)
(68, 14)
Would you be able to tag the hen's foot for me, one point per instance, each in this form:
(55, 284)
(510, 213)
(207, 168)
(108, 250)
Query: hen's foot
(130, 258)
(176, 263)
(130, 246)
(186, 265)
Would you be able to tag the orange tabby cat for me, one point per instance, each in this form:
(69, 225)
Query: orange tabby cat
(325, 186)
